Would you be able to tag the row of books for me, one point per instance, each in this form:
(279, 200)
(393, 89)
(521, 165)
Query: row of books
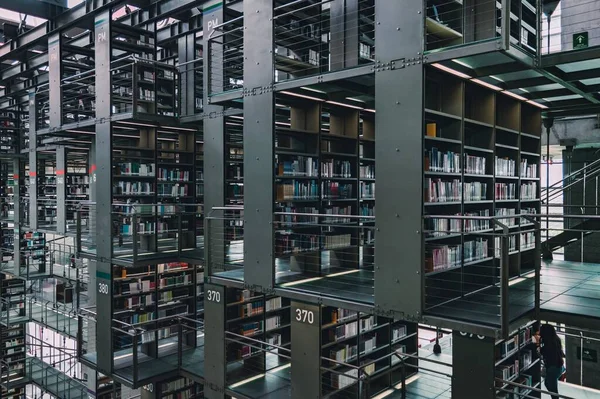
(442, 161)
(505, 191)
(175, 280)
(338, 210)
(272, 323)
(367, 171)
(343, 331)
(442, 257)
(135, 169)
(528, 170)
(367, 190)
(335, 190)
(251, 308)
(366, 210)
(289, 242)
(474, 165)
(527, 240)
(166, 267)
(475, 250)
(336, 168)
(438, 190)
(135, 287)
(512, 245)
(505, 167)
(290, 218)
(273, 304)
(173, 174)
(344, 354)
(176, 385)
(297, 190)
(529, 190)
(146, 227)
(133, 188)
(253, 328)
(173, 190)
(507, 212)
(475, 191)
(368, 345)
(301, 166)
(135, 302)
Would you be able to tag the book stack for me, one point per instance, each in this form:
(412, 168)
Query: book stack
(367, 190)
(512, 245)
(507, 212)
(272, 323)
(437, 190)
(132, 188)
(273, 339)
(367, 171)
(398, 332)
(475, 191)
(340, 314)
(297, 190)
(135, 169)
(527, 170)
(527, 240)
(173, 190)
(471, 225)
(301, 166)
(338, 210)
(173, 175)
(336, 168)
(340, 381)
(505, 191)
(438, 161)
(273, 304)
(335, 190)
(439, 227)
(345, 354)
(251, 309)
(368, 345)
(343, 331)
(337, 241)
(529, 191)
(165, 282)
(505, 167)
(474, 165)
(442, 257)
(475, 250)
(288, 242)
(367, 324)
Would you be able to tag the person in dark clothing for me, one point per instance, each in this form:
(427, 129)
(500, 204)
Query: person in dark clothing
(552, 354)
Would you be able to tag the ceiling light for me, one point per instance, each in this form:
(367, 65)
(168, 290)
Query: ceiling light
(315, 90)
(486, 84)
(137, 124)
(452, 71)
(496, 78)
(79, 131)
(343, 105)
(355, 99)
(289, 93)
(518, 97)
(370, 110)
(542, 106)
(459, 62)
(179, 128)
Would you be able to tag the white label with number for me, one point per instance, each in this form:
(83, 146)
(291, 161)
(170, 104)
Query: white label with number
(213, 296)
(103, 288)
(305, 316)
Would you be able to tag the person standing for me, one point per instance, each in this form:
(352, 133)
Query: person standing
(550, 347)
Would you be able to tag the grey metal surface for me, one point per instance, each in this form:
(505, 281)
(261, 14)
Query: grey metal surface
(306, 338)
(214, 338)
(103, 179)
(54, 79)
(473, 366)
(33, 156)
(61, 188)
(398, 149)
(258, 143)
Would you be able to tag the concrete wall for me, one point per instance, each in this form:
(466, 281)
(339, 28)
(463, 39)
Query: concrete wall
(585, 129)
(580, 16)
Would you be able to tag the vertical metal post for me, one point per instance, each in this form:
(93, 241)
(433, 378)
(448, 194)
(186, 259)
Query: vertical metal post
(259, 142)
(504, 276)
(214, 127)
(399, 123)
(306, 336)
(187, 53)
(214, 341)
(135, 356)
(61, 189)
(102, 179)
(403, 376)
(32, 162)
(54, 79)
(134, 235)
(505, 21)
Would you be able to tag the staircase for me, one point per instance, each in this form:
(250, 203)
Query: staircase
(583, 226)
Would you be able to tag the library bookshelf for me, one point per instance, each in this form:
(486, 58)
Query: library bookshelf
(481, 159)
(324, 165)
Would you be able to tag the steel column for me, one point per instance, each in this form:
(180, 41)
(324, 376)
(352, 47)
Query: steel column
(18, 179)
(473, 369)
(306, 357)
(344, 34)
(61, 189)
(103, 179)
(33, 162)
(187, 53)
(214, 128)
(399, 129)
(258, 144)
(55, 74)
(214, 341)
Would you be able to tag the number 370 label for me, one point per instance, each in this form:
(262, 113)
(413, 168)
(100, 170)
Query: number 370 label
(305, 316)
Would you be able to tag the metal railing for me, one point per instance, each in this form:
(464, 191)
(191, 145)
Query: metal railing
(192, 72)
(224, 247)
(79, 97)
(318, 37)
(470, 262)
(42, 106)
(54, 381)
(142, 86)
(86, 336)
(86, 232)
(225, 57)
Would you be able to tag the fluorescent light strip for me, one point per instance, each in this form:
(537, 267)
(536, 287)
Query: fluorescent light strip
(542, 106)
(354, 99)
(308, 280)
(344, 105)
(452, 71)
(236, 117)
(280, 368)
(137, 124)
(238, 384)
(289, 93)
(313, 90)
(459, 62)
(496, 78)
(486, 84)
(79, 131)
(342, 273)
(370, 110)
(126, 128)
(179, 128)
(518, 97)
(283, 124)
(126, 136)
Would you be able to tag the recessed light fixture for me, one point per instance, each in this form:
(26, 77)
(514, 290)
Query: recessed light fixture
(542, 106)
(343, 105)
(79, 131)
(486, 84)
(452, 71)
(518, 97)
(289, 93)
(137, 124)
(313, 90)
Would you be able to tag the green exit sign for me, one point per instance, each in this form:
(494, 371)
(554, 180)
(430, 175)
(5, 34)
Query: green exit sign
(580, 40)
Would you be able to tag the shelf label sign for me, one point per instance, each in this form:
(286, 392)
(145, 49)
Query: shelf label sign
(588, 355)
(213, 296)
(580, 40)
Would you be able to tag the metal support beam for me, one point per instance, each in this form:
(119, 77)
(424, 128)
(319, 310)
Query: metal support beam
(259, 138)
(399, 128)
(473, 371)
(61, 189)
(33, 162)
(103, 181)
(306, 336)
(344, 34)
(55, 72)
(187, 54)
(214, 341)
(46, 9)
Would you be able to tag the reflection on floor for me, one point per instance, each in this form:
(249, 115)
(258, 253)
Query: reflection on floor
(571, 287)
(574, 391)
